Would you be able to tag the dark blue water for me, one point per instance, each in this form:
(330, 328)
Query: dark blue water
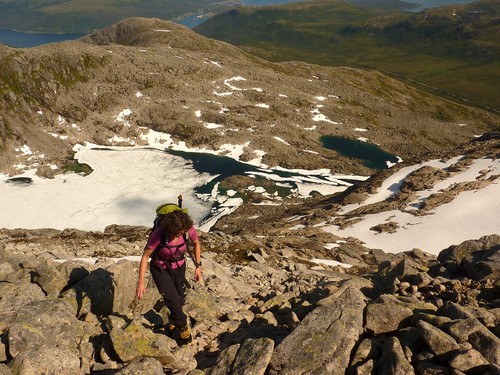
(371, 155)
(25, 40)
(223, 167)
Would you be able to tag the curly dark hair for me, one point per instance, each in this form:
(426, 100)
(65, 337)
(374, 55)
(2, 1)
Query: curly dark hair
(176, 222)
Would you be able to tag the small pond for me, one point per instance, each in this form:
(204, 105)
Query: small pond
(372, 155)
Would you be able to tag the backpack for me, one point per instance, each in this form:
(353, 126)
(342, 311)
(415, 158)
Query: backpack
(161, 211)
(164, 209)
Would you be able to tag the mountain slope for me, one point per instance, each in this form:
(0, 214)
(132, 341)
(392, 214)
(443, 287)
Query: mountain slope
(453, 48)
(115, 85)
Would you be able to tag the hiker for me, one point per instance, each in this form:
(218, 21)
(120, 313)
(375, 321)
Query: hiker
(166, 247)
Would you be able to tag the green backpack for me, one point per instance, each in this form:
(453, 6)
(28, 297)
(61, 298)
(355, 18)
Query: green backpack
(167, 208)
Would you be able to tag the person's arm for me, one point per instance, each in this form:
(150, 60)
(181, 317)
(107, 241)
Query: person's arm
(141, 287)
(197, 259)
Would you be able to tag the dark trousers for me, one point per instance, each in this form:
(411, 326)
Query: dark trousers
(170, 285)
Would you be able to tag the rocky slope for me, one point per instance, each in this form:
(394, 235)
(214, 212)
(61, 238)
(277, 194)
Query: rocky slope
(272, 312)
(115, 85)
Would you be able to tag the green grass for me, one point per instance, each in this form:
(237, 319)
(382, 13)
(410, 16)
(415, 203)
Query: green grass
(445, 54)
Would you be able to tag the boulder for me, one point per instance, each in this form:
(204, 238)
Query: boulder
(48, 322)
(385, 317)
(145, 365)
(438, 341)
(476, 334)
(225, 361)
(393, 360)
(253, 357)
(47, 360)
(132, 341)
(324, 339)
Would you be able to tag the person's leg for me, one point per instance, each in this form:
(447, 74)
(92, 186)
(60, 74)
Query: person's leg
(166, 284)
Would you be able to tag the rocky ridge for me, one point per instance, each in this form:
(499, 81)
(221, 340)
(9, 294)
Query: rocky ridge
(411, 313)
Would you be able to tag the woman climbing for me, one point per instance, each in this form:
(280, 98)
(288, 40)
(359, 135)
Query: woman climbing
(166, 247)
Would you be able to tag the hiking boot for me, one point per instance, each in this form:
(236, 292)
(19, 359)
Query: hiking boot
(170, 329)
(185, 335)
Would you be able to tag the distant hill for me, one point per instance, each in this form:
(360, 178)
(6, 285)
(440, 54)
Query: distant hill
(454, 49)
(82, 16)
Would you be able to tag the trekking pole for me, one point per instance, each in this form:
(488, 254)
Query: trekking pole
(179, 203)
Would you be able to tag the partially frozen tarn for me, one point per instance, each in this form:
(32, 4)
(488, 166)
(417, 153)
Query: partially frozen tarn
(120, 190)
(262, 105)
(332, 263)
(282, 140)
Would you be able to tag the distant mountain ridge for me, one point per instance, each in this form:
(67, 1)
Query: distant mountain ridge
(453, 48)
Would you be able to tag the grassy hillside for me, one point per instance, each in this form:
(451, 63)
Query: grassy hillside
(82, 16)
(454, 49)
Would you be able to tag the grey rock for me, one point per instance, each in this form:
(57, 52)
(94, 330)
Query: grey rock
(429, 368)
(393, 360)
(253, 357)
(438, 341)
(324, 338)
(47, 360)
(465, 360)
(225, 361)
(202, 306)
(481, 339)
(146, 365)
(49, 279)
(134, 341)
(367, 350)
(385, 317)
(42, 322)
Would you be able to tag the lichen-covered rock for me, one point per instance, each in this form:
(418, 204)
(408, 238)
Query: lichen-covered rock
(324, 338)
(135, 341)
(47, 360)
(253, 357)
(438, 341)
